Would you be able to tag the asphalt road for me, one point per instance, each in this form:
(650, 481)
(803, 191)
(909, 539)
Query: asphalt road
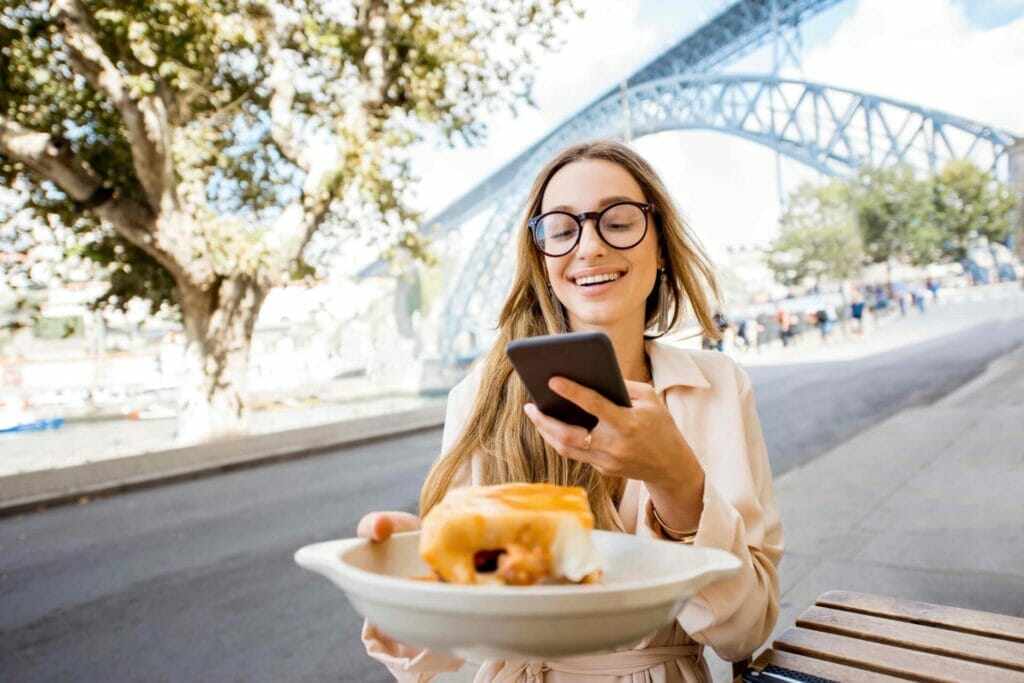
(195, 580)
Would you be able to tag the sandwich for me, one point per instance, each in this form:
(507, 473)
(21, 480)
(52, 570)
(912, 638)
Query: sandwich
(512, 534)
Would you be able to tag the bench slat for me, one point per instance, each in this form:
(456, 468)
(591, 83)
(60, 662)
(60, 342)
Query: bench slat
(954, 618)
(984, 649)
(820, 667)
(887, 659)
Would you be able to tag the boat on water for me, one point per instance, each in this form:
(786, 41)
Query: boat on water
(20, 420)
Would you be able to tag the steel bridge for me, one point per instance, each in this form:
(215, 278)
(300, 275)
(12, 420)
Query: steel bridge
(830, 129)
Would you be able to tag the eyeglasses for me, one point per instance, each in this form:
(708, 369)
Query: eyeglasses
(622, 225)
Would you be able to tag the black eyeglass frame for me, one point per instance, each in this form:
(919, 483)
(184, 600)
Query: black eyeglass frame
(645, 207)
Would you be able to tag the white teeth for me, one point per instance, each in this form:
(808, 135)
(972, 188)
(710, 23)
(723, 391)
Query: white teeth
(595, 279)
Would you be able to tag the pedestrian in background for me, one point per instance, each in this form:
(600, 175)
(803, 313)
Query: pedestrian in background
(783, 320)
(721, 322)
(857, 313)
(823, 324)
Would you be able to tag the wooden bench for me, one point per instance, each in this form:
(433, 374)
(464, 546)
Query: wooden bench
(858, 637)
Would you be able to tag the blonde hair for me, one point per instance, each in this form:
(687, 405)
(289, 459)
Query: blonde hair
(497, 431)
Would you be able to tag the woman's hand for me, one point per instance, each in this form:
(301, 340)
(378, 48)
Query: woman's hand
(379, 526)
(640, 442)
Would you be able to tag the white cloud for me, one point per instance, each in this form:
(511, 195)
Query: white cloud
(725, 186)
(925, 52)
(609, 43)
(1007, 4)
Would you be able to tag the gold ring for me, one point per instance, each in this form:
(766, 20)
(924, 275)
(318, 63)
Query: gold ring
(586, 442)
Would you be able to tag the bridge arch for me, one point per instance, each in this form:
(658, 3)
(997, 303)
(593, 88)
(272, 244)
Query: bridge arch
(833, 130)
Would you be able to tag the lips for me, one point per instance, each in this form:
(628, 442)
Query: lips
(595, 279)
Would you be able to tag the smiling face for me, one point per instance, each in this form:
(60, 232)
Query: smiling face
(601, 287)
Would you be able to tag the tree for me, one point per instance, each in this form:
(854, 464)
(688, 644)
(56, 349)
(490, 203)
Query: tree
(895, 214)
(34, 256)
(970, 202)
(195, 147)
(819, 237)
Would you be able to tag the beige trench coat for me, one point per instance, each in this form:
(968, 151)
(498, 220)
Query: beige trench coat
(712, 402)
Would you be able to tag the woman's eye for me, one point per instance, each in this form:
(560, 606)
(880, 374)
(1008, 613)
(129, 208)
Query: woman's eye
(559, 231)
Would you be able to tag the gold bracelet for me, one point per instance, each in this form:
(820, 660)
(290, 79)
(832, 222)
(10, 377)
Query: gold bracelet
(681, 536)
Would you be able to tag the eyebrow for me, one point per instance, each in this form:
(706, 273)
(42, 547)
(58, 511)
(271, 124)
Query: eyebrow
(605, 202)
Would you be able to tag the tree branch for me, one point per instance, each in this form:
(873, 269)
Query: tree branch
(373, 16)
(145, 118)
(281, 118)
(300, 219)
(51, 158)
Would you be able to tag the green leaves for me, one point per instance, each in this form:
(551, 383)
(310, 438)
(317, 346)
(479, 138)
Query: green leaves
(889, 213)
(894, 210)
(131, 273)
(369, 79)
(819, 239)
(969, 202)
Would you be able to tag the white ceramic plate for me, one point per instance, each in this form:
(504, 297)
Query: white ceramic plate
(646, 583)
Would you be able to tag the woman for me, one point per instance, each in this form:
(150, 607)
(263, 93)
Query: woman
(603, 248)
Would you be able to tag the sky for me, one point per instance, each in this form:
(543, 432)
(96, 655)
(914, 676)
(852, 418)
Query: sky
(965, 58)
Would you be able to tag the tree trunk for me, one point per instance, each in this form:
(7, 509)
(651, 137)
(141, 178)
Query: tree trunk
(218, 334)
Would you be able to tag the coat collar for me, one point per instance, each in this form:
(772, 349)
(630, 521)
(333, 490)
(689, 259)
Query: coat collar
(672, 366)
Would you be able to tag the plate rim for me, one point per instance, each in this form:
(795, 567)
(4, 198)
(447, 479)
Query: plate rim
(314, 555)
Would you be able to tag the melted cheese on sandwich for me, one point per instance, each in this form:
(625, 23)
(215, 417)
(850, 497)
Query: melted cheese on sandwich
(517, 534)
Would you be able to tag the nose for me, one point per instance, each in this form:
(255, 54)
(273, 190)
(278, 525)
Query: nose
(591, 244)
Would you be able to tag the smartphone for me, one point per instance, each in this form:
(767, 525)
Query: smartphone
(586, 358)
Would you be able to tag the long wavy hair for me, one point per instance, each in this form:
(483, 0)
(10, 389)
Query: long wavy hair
(497, 431)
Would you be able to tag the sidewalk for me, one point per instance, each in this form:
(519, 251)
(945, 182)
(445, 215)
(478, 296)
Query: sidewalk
(926, 506)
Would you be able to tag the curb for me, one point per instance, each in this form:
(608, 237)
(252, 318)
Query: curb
(996, 368)
(43, 488)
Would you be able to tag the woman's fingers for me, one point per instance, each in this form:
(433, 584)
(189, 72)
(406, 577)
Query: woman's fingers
(568, 440)
(404, 521)
(376, 526)
(586, 398)
(383, 527)
(554, 430)
(380, 526)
